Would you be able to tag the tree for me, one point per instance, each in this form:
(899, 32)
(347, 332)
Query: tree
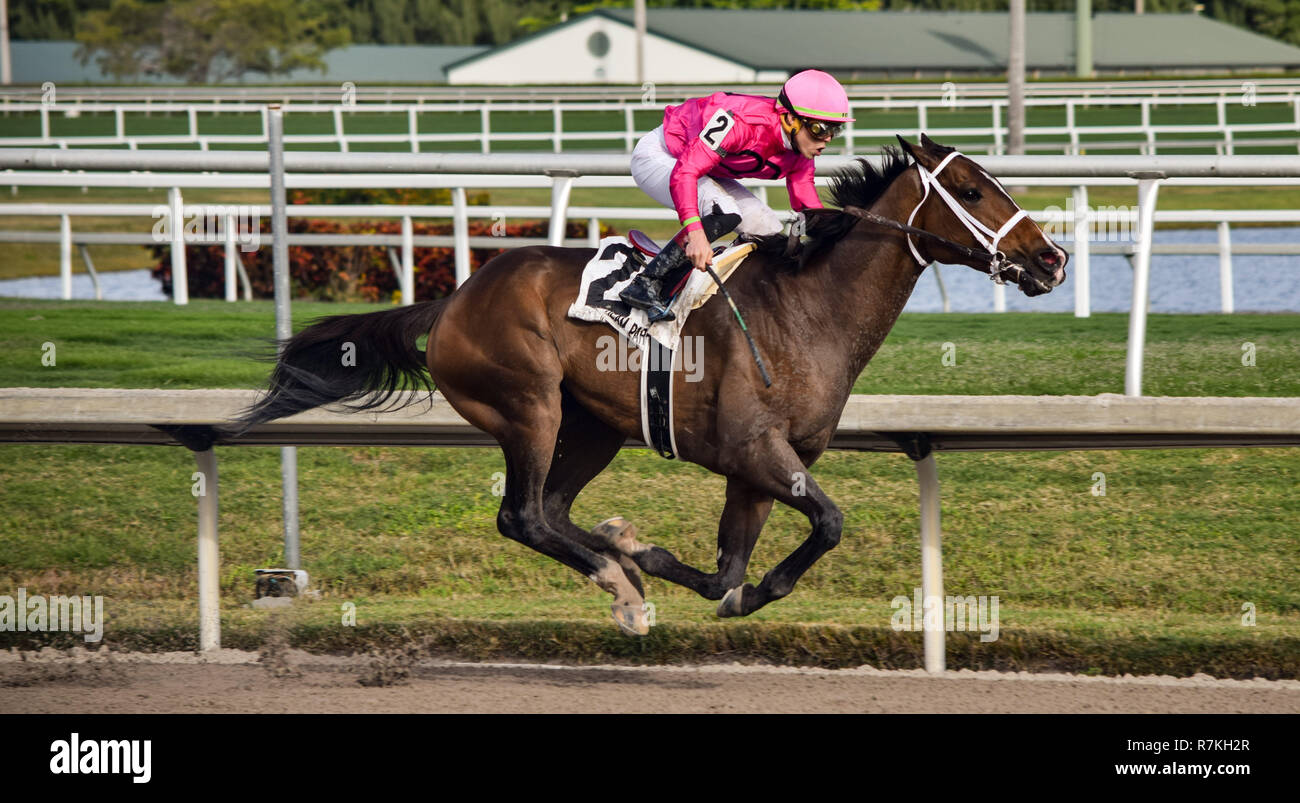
(207, 41)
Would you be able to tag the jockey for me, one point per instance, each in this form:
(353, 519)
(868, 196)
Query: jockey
(694, 160)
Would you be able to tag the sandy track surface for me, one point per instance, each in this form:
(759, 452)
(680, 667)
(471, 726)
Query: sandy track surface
(297, 682)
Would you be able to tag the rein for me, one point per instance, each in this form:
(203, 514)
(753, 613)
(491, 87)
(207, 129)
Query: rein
(969, 253)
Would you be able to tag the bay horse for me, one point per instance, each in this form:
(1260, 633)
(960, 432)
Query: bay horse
(503, 352)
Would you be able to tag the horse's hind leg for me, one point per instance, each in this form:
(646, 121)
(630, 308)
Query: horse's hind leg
(584, 446)
(523, 518)
(507, 382)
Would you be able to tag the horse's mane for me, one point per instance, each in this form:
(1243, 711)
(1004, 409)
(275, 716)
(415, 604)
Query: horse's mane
(857, 184)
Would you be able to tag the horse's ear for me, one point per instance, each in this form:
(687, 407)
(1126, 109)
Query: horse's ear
(934, 147)
(920, 154)
(908, 147)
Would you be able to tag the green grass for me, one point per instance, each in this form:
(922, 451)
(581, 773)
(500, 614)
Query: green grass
(208, 344)
(1133, 581)
(1150, 577)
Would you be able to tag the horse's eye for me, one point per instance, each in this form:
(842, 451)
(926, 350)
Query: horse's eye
(971, 195)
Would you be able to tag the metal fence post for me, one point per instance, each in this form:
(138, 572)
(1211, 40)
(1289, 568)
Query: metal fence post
(1070, 124)
(943, 289)
(65, 256)
(209, 555)
(231, 257)
(283, 322)
(561, 188)
(1148, 187)
(998, 146)
(1082, 262)
(180, 276)
(927, 475)
(94, 276)
(460, 233)
(338, 129)
(557, 131)
(408, 261)
(1225, 268)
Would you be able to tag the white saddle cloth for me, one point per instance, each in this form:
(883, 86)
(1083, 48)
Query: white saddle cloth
(608, 274)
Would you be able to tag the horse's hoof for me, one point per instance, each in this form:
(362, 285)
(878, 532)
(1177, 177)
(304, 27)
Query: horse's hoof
(732, 602)
(632, 620)
(620, 534)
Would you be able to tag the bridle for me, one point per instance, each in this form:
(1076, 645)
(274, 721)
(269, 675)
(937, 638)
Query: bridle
(999, 268)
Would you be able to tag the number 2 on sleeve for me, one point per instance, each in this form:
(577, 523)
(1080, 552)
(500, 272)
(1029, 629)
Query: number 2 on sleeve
(715, 130)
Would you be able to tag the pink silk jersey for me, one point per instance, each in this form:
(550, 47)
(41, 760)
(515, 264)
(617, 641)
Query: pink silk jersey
(732, 136)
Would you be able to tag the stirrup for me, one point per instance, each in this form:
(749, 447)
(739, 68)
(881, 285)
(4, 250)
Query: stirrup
(644, 294)
(660, 313)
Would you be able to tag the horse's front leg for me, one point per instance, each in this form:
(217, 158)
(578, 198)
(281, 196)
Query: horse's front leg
(742, 520)
(777, 470)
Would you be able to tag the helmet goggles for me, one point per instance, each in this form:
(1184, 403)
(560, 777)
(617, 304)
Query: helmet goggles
(821, 130)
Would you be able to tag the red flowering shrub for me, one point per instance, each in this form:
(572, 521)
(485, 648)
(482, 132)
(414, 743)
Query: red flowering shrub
(351, 273)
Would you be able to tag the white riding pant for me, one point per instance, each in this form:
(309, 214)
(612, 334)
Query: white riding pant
(652, 166)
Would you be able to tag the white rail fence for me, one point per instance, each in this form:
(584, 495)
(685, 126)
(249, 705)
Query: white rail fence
(561, 172)
(918, 426)
(1085, 230)
(1115, 227)
(379, 93)
(1071, 137)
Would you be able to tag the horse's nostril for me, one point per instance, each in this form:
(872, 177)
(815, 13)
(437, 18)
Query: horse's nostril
(1050, 258)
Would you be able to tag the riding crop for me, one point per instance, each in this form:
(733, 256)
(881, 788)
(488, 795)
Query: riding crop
(762, 369)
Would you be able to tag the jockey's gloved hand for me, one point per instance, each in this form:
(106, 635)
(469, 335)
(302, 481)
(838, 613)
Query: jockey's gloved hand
(798, 227)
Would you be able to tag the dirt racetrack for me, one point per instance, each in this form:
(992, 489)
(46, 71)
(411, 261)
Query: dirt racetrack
(289, 681)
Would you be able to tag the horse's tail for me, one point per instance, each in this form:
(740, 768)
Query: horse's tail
(362, 360)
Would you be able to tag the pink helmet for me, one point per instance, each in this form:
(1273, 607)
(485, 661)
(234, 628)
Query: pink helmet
(815, 95)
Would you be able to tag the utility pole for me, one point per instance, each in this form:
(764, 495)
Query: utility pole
(6, 71)
(1083, 37)
(639, 17)
(1016, 80)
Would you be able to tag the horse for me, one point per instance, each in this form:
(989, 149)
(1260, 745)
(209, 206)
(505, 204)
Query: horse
(504, 354)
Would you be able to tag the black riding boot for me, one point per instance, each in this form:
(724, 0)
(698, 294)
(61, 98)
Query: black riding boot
(665, 270)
